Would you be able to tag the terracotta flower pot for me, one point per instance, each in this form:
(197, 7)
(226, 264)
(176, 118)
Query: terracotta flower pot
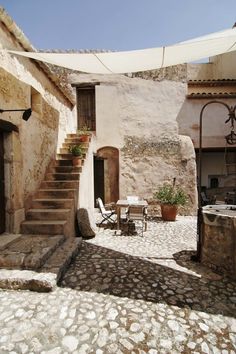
(169, 212)
(77, 161)
(84, 138)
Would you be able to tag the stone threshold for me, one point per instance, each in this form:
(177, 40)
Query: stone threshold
(35, 262)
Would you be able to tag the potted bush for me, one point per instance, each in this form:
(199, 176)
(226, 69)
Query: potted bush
(170, 197)
(84, 134)
(77, 153)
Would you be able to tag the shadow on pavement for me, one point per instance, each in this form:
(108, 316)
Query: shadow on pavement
(102, 270)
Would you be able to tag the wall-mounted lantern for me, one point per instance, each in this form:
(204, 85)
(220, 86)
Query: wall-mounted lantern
(27, 112)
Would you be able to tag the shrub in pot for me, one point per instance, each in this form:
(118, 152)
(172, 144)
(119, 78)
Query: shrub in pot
(77, 153)
(84, 134)
(170, 197)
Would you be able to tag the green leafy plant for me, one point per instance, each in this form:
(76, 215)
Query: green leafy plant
(76, 150)
(168, 194)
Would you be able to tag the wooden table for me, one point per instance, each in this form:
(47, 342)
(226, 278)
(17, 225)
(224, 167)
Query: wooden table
(124, 203)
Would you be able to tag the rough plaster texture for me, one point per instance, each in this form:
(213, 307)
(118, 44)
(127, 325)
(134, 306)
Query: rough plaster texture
(224, 66)
(214, 116)
(147, 164)
(86, 184)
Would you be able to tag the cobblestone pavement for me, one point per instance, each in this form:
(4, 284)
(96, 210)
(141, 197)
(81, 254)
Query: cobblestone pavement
(127, 294)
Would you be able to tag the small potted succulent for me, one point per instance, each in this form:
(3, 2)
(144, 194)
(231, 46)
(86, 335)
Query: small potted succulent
(77, 153)
(170, 197)
(84, 134)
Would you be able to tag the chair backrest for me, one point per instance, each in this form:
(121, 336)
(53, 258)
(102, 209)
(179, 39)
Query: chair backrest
(204, 197)
(136, 212)
(132, 198)
(101, 205)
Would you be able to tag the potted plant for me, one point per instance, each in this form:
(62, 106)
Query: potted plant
(84, 134)
(77, 153)
(170, 197)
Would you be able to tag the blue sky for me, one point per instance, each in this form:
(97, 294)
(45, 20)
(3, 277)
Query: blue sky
(118, 24)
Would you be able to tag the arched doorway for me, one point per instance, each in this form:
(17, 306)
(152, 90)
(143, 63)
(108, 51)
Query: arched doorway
(106, 174)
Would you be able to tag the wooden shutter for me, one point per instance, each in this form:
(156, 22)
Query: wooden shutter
(86, 108)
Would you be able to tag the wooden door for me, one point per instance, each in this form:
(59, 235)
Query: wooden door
(86, 108)
(2, 189)
(99, 179)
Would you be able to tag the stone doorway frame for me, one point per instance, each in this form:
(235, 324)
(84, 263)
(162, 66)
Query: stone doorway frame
(14, 208)
(110, 155)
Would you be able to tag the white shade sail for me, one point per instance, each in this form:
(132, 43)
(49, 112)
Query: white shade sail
(141, 60)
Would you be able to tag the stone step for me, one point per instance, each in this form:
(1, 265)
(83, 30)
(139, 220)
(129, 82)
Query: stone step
(60, 184)
(55, 193)
(62, 257)
(62, 162)
(62, 176)
(47, 214)
(75, 140)
(52, 203)
(67, 169)
(29, 251)
(43, 227)
(72, 135)
(67, 156)
(84, 145)
(66, 150)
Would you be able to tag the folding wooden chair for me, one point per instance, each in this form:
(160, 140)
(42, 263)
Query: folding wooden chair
(108, 215)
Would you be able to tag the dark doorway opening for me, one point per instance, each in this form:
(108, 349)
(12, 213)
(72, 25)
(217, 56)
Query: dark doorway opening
(2, 187)
(99, 184)
(108, 175)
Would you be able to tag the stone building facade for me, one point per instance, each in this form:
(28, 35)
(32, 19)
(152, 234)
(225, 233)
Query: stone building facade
(138, 117)
(146, 127)
(27, 150)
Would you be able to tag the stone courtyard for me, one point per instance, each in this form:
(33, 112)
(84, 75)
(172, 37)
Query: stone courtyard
(127, 294)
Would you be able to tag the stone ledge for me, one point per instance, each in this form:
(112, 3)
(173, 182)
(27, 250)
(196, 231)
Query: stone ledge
(61, 259)
(27, 280)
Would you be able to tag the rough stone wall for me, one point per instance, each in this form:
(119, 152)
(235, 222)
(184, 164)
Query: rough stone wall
(147, 164)
(218, 243)
(27, 153)
(172, 73)
(29, 72)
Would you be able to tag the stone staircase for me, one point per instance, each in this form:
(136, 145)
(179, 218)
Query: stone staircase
(53, 207)
(47, 243)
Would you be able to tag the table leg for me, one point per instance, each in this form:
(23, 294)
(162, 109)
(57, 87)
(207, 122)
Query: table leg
(118, 218)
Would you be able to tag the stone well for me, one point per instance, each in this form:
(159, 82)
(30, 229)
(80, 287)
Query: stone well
(218, 249)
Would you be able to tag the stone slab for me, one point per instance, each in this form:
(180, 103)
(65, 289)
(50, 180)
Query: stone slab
(27, 280)
(29, 251)
(61, 259)
(7, 238)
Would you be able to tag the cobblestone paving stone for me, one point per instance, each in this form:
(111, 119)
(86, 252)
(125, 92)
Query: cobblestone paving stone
(127, 294)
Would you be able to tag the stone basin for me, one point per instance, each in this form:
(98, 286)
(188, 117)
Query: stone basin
(218, 246)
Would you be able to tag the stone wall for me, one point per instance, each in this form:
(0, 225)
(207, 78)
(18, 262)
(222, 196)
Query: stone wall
(172, 73)
(218, 249)
(147, 164)
(31, 73)
(24, 83)
(27, 153)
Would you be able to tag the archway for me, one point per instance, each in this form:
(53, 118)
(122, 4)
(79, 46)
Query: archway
(106, 174)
